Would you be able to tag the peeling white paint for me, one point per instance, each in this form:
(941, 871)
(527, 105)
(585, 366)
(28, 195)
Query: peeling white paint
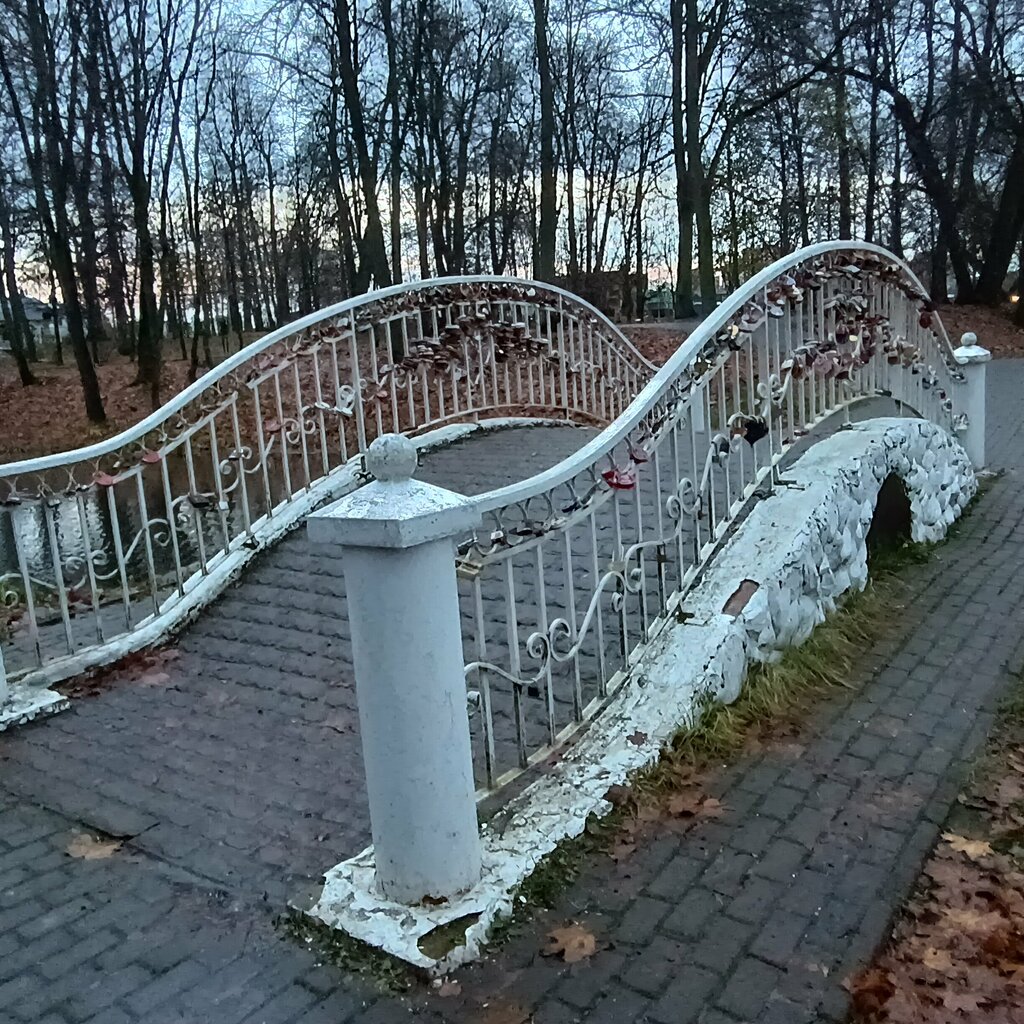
(805, 547)
(23, 703)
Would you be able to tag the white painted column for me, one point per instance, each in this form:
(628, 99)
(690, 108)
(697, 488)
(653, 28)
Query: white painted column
(399, 560)
(972, 357)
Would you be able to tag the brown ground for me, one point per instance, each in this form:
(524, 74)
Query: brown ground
(39, 420)
(658, 341)
(994, 327)
(51, 417)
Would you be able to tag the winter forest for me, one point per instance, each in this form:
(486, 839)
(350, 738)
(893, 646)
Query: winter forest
(177, 175)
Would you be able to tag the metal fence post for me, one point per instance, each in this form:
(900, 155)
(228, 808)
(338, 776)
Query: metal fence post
(972, 357)
(399, 560)
(4, 690)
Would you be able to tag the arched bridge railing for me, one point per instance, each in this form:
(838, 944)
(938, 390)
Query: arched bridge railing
(106, 548)
(577, 569)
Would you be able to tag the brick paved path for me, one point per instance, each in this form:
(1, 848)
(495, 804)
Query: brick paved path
(740, 921)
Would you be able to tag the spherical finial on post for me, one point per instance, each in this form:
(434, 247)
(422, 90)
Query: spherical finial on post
(392, 458)
(968, 339)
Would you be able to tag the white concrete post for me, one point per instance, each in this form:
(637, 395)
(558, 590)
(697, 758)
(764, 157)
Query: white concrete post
(399, 559)
(972, 357)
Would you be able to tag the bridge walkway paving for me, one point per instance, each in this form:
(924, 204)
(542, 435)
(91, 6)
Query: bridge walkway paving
(751, 918)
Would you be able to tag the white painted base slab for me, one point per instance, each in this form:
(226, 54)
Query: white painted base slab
(24, 703)
(804, 547)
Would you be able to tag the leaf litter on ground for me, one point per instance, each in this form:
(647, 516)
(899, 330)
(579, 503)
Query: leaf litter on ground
(572, 943)
(89, 847)
(957, 951)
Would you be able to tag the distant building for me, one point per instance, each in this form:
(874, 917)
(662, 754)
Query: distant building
(660, 304)
(40, 322)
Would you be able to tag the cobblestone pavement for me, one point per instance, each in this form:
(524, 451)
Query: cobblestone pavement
(757, 916)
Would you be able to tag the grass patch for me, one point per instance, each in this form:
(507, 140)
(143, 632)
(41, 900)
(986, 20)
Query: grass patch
(381, 970)
(555, 872)
(776, 696)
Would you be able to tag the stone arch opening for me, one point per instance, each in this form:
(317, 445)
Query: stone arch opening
(890, 525)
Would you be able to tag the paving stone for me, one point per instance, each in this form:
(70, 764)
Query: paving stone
(693, 910)
(748, 989)
(640, 920)
(756, 899)
(779, 937)
(780, 860)
(780, 802)
(583, 983)
(653, 966)
(723, 940)
(618, 1006)
(684, 998)
(755, 834)
(676, 877)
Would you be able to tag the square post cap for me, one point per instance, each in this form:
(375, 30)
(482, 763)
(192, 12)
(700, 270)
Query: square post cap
(394, 511)
(970, 351)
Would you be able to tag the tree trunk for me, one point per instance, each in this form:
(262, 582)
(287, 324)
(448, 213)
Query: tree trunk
(116, 274)
(1007, 225)
(13, 333)
(150, 324)
(50, 186)
(684, 201)
(373, 255)
(19, 333)
(843, 152)
(896, 199)
(699, 184)
(544, 265)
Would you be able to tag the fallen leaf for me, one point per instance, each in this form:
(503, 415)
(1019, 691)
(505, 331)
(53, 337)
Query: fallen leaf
(87, 847)
(965, 1002)
(638, 738)
(1010, 792)
(946, 873)
(573, 943)
(937, 959)
(502, 1012)
(618, 796)
(621, 850)
(973, 848)
(684, 805)
(973, 920)
(870, 990)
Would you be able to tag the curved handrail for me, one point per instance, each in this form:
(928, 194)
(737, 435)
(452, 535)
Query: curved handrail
(255, 348)
(678, 363)
(121, 540)
(586, 562)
